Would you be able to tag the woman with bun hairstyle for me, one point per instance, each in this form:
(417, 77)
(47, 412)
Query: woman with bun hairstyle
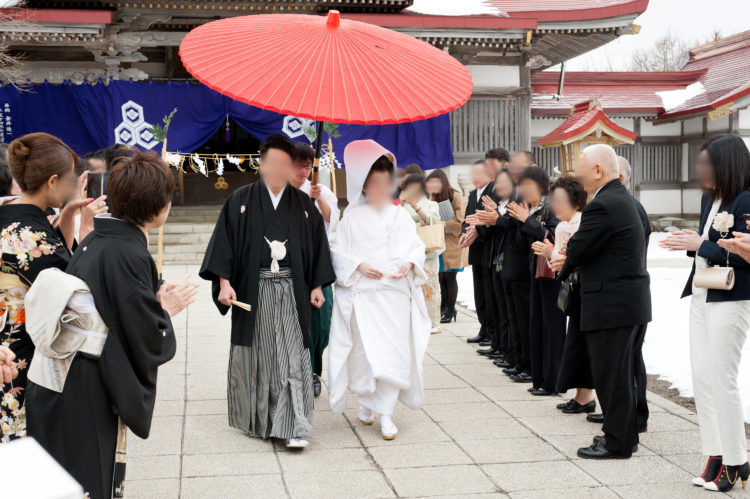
(43, 166)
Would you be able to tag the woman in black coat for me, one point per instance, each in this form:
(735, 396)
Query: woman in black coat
(79, 425)
(546, 321)
(719, 317)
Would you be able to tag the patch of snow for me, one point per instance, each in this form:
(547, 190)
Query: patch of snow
(666, 350)
(453, 8)
(671, 99)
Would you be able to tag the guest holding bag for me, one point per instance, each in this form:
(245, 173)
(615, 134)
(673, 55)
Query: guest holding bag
(454, 259)
(547, 322)
(426, 213)
(719, 309)
(568, 201)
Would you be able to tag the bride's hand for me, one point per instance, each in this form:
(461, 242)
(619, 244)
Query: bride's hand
(368, 271)
(403, 271)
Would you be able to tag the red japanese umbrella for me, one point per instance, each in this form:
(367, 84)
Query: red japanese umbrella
(325, 69)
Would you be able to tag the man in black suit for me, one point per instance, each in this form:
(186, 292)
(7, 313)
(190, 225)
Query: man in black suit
(479, 256)
(609, 251)
(641, 378)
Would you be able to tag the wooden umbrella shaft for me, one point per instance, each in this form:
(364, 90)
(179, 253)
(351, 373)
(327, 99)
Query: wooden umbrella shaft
(318, 143)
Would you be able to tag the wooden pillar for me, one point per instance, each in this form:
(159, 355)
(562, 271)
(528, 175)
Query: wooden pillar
(637, 161)
(523, 108)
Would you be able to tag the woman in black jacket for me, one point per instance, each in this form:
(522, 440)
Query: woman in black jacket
(546, 321)
(719, 318)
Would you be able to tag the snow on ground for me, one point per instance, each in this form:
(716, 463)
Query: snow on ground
(666, 350)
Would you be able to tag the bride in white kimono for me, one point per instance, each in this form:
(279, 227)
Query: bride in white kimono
(380, 326)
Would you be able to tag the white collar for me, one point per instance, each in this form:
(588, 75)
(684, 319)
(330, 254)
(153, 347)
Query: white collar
(480, 190)
(275, 199)
(305, 187)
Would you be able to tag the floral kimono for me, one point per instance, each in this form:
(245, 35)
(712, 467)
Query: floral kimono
(29, 245)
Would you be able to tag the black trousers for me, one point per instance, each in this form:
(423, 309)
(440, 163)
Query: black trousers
(517, 301)
(641, 404)
(502, 323)
(612, 354)
(484, 300)
(575, 366)
(546, 333)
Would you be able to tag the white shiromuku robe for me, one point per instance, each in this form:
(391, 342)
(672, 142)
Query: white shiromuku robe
(380, 328)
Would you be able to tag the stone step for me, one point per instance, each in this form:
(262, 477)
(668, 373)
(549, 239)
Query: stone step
(181, 238)
(186, 228)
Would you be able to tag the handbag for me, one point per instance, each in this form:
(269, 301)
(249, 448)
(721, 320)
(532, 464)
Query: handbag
(432, 235)
(565, 297)
(543, 271)
(714, 278)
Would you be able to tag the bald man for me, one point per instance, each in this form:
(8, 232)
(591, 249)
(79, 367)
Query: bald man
(608, 251)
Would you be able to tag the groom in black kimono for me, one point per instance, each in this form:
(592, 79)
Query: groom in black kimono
(269, 250)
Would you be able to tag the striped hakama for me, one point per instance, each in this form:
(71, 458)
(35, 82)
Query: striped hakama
(269, 389)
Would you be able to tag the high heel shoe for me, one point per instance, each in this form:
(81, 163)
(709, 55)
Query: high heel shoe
(727, 478)
(710, 472)
(449, 317)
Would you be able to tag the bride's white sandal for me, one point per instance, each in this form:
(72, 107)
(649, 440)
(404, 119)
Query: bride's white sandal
(387, 428)
(366, 417)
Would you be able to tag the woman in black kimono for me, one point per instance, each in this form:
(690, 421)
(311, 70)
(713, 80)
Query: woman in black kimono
(78, 426)
(43, 167)
(546, 321)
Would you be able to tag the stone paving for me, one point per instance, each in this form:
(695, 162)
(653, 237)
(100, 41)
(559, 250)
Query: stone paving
(478, 435)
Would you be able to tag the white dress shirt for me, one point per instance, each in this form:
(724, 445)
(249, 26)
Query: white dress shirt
(330, 198)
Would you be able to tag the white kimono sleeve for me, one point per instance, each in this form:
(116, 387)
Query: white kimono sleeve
(345, 261)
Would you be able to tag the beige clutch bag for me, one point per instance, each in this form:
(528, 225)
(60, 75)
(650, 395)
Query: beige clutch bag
(714, 278)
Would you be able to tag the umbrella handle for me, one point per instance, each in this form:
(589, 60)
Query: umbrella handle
(318, 143)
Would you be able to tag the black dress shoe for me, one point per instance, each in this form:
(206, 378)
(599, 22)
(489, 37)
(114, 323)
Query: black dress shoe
(540, 392)
(486, 351)
(496, 355)
(486, 342)
(595, 418)
(576, 408)
(510, 371)
(600, 438)
(522, 377)
(448, 317)
(316, 385)
(598, 451)
(474, 339)
(565, 404)
(502, 363)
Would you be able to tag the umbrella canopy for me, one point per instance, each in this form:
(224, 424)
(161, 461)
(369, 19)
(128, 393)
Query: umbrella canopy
(325, 68)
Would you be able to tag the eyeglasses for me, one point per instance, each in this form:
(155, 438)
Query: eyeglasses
(307, 166)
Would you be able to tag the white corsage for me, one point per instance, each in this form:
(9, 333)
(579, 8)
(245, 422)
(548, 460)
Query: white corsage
(723, 222)
(278, 252)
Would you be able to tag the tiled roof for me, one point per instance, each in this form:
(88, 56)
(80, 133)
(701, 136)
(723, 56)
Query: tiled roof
(584, 117)
(568, 10)
(726, 67)
(618, 92)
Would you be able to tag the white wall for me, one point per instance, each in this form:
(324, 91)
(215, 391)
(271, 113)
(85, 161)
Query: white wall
(720, 125)
(648, 129)
(661, 201)
(744, 118)
(693, 126)
(497, 78)
(691, 201)
(542, 126)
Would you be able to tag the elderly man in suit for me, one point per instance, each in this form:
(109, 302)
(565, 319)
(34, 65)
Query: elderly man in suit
(609, 252)
(641, 379)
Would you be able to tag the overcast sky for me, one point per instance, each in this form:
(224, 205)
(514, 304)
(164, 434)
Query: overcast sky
(688, 19)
